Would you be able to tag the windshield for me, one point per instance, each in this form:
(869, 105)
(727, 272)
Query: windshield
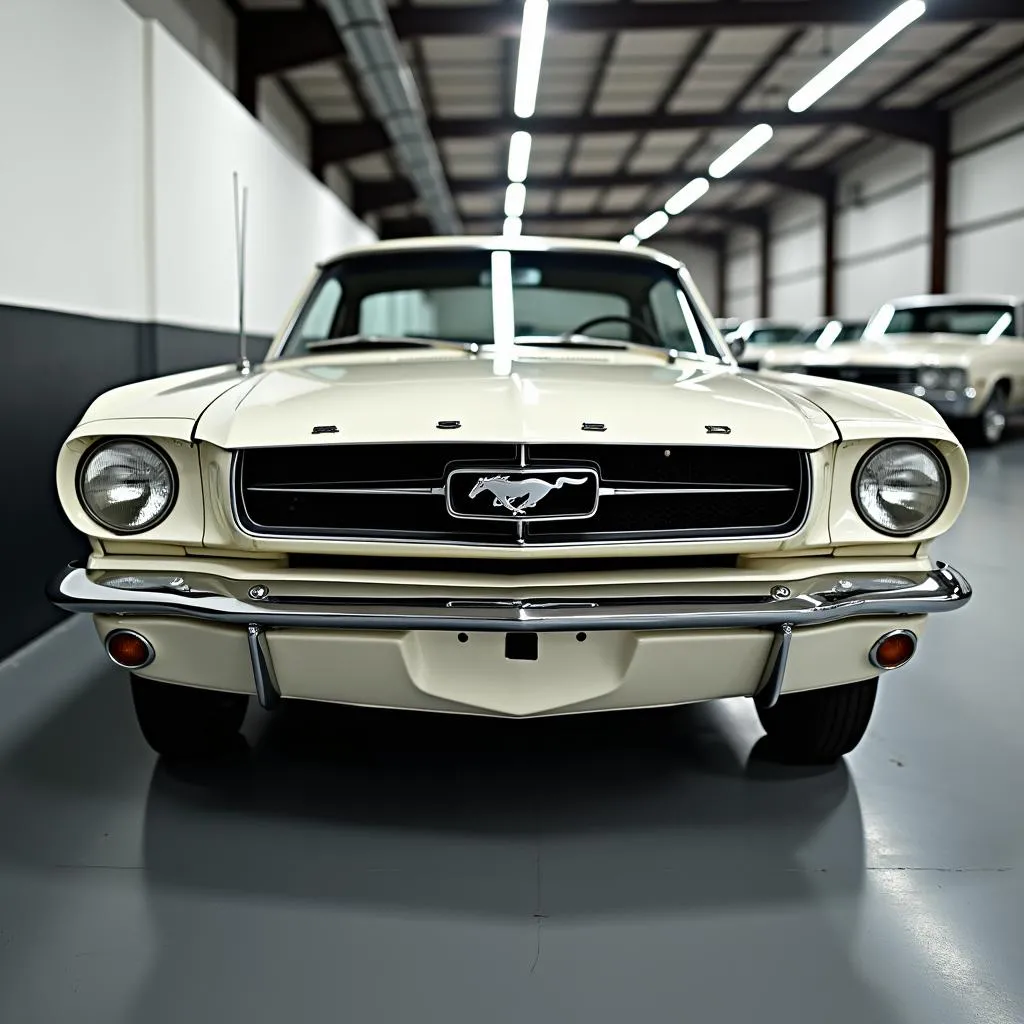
(981, 320)
(541, 296)
(824, 335)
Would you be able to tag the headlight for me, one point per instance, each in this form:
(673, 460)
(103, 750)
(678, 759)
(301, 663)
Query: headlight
(900, 488)
(936, 379)
(126, 486)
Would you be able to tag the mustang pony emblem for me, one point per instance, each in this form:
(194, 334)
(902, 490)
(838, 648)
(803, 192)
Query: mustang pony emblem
(520, 495)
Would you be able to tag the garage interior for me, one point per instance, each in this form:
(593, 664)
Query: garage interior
(377, 865)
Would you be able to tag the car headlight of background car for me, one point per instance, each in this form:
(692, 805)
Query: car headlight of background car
(127, 485)
(901, 487)
(938, 379)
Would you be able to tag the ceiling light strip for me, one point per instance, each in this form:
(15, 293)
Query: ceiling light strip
(853, 56)
(531, 53)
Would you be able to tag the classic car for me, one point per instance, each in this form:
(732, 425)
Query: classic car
(752, 338)
(507, 477)
(961, 354)
(822, 334)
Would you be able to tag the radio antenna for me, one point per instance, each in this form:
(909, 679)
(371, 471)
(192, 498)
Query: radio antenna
(241, 214)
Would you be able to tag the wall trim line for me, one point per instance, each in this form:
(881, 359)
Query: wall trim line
(891, 192)
(880, 254)
(987, 223)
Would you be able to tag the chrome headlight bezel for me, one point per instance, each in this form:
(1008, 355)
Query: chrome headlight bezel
(943, 475)
(114, 442)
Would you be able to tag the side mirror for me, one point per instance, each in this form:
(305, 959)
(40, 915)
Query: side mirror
(737, 346)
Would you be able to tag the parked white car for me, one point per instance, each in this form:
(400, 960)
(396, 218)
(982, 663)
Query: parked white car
(822, 334)
(510, 477)
(752, 338)
(962, 354)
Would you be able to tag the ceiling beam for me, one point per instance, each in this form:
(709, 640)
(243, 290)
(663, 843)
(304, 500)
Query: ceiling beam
(753, 218)
(746, 90)
(277, 40)
(419, 227)
(347, 140)
(370, 196)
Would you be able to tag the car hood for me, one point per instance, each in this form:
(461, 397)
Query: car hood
(633, 398)
(892, 350)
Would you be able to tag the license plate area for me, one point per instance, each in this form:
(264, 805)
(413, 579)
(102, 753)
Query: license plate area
(521, 646)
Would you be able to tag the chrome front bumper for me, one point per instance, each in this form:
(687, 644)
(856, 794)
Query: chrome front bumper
(811, 601)
(780, 608)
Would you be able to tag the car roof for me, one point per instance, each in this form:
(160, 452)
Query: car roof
(923, 301)
(522, 243)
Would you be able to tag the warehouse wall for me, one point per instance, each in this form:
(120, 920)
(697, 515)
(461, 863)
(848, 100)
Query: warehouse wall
(884, 228)
(883, 233)
(797, 259)
(986, 198)
(114, 266)
(742, 275)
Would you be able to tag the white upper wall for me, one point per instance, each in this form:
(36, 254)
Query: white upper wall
(206, 28)
(201, 135)
(71, 125)
(140, 227)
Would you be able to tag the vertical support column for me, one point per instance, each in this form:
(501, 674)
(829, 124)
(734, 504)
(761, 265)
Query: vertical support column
(831, 216)
(721, 268)
(940, 209)
(764, 237)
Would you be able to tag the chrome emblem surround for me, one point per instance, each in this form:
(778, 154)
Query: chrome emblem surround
(513, 494)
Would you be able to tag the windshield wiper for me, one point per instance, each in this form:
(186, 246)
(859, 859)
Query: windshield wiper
(353, 341)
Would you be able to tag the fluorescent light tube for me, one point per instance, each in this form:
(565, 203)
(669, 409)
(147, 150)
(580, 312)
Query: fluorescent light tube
(629, 241)
(515, 199)
(651, 225)
(852, 57)
(687, 196)
(513, 227)
(531, 52)
(741, 150)
(519, 155)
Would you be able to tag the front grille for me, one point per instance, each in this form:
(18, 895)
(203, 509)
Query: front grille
(397, 492)
(877, 376)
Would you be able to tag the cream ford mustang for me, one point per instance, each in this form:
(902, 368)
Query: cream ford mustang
(508, 477)
(961, 354)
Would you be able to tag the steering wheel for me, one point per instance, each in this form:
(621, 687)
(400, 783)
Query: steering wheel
(593, 321)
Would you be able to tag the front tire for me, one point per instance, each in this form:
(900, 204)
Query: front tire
(819, 726)
(987, 428)
(184, 722)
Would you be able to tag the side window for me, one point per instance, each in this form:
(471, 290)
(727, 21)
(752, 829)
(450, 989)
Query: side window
(666, 308)
(318, 322)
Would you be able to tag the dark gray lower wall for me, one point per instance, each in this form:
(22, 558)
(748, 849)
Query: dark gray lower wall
(53, 365)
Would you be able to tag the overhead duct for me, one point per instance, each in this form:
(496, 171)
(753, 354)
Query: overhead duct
(370, 42)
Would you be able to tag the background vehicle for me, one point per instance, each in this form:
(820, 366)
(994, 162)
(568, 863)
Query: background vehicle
(754, 337)
(961, 354)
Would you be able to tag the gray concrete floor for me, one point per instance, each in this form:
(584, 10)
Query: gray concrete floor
(645, 867)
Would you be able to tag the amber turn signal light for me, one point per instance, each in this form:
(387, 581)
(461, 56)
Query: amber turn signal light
(129, 650)
(893, 650)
